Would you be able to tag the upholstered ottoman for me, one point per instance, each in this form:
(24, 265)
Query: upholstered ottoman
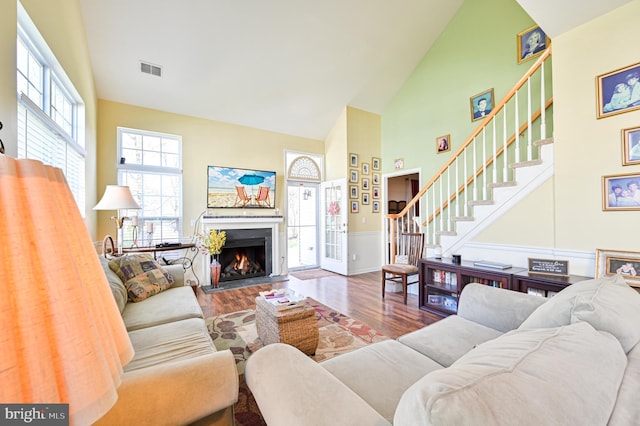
(296, 326)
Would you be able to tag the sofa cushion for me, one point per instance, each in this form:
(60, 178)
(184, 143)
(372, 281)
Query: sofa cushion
(171, 305)
(448, 339)
(169, 342)
(607, 303)
(566, 375)
(142, 275)
(117, 286)
(380, 373)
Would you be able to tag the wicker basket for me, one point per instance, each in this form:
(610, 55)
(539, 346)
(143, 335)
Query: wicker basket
(296, 326)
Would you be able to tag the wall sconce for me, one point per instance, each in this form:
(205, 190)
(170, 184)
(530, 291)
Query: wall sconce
(306, 194)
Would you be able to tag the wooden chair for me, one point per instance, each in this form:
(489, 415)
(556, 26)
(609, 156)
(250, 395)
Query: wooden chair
(262, 198)
(241, 197)
(411, 246)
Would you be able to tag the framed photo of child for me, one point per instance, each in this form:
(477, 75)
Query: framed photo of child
(614, 262)
(443, 143)
(621, 192)
(618, 91)
(631, 146)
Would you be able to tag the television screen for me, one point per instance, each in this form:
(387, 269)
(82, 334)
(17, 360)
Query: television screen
(240, 188)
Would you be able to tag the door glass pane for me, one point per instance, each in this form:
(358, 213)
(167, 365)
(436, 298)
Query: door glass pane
(302, 229)
(333, 229)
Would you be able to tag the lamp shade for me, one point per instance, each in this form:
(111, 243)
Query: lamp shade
(62, 337)
(115, 198)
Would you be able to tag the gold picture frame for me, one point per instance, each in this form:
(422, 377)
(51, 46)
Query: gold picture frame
(618, 91)
(443, 144)
(531, 43)
(630, 146)
(624, 263)
(481, 104)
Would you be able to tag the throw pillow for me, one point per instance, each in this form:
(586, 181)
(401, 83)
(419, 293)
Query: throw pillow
(523, 378)
(607, 303)
(142, 275)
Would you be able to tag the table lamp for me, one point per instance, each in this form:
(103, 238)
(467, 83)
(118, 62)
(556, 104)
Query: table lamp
(115, 198)
(62, 338)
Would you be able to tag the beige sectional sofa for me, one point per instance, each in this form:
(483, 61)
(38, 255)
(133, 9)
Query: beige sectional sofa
(506, 358)
(176, 376)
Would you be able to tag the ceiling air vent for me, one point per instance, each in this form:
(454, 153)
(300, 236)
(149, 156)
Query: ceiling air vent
(150, 69)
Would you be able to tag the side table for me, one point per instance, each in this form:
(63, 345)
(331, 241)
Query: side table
(295, 326)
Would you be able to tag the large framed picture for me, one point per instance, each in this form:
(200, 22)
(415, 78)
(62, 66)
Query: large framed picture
(531, 43)
(625, 263)
(621, 192)
(631, 146)
(481, 104)
(231, 187)
(618, 91)
(443, 144)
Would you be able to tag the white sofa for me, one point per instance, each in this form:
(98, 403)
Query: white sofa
(177, 376)
(506, 358)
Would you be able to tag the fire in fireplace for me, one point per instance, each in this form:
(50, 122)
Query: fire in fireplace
(246, 254)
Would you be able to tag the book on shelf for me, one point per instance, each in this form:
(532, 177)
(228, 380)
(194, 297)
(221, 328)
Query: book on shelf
(490, 264)
(283, 299)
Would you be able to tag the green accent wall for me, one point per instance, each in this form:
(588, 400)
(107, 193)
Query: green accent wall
(476, 52)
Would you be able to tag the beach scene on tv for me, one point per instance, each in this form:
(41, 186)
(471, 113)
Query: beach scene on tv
(240, 188)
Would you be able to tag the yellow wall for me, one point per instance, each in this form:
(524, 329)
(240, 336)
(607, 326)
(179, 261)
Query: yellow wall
(336, 155)
(8, 85)
(204, 143)
(363, 136)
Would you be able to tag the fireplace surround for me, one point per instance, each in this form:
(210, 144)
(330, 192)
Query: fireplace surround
(255, 237)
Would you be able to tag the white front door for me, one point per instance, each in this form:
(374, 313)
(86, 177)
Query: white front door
(334, 253)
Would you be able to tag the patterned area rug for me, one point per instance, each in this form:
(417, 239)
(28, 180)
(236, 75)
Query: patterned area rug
(237, 331)
(312, 274)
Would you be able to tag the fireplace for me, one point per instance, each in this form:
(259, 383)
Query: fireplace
(252, 237)
(246, 254)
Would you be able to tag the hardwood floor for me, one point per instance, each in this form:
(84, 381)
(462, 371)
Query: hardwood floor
(357, 296)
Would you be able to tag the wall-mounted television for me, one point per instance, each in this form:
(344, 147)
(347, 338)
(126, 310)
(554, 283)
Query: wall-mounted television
(230, 187)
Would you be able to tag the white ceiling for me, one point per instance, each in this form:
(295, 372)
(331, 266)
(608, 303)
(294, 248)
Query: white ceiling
(289, 66)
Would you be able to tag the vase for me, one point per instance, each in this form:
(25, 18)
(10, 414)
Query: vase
(215, 272)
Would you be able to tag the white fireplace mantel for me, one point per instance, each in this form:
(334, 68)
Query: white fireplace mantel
(223, 223)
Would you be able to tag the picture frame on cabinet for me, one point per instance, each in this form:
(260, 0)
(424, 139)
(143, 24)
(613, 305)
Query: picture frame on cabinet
(353, 160)
(354, 207)
(481, 104)
(531, 43)
(613, 262)
(618, 91)
(621, 192)
(631, 146)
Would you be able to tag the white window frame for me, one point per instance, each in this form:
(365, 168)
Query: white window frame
(39, 135)
(158, 221)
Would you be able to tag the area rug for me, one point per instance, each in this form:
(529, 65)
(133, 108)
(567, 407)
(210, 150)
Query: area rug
(249, 282)
(312, 274)
(237, 331)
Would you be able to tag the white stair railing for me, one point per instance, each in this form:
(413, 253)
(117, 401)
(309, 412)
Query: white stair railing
(472, 182)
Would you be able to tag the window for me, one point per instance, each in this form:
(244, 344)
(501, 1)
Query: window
(49, 109)
(151, 165)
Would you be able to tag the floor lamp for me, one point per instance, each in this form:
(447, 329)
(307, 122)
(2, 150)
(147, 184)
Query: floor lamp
(116, 198)
(62, 337)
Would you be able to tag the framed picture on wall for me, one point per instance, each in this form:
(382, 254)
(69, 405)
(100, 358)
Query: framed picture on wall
(376, 178)
(631, 146)
(531, 43)
(375, 207)
(353, 160)
(443, 143)
(354, 207)
(625, 263)
(365, 168)
(376, 192)
(353, 191)
(375, 163)
(618, 91)
(621, 192)
(365, 183)
(365, 198)
(481, 104)
(353, 176)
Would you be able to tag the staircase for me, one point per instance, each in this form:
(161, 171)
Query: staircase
(508, 155)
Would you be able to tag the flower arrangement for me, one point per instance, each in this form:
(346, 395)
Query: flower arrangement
(213, 242)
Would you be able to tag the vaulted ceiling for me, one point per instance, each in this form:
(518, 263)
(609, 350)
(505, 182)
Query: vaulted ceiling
(288, 66)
